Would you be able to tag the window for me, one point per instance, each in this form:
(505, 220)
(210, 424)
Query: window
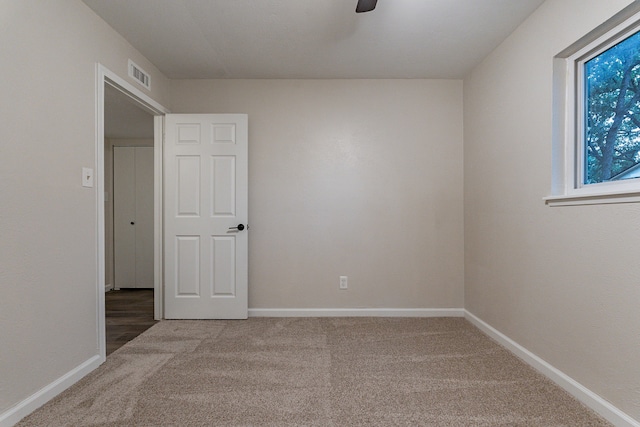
(597, 116)
(610, 134)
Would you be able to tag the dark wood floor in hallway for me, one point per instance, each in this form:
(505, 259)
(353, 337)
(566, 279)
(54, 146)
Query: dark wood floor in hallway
(129, 312)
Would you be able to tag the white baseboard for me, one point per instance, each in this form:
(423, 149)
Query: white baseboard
(108, 287)
(577, 390)
(36, 400)
(356, 312)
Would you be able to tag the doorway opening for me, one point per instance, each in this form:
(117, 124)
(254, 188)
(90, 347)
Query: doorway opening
(128, 313)
(128, 172)
(128, 122)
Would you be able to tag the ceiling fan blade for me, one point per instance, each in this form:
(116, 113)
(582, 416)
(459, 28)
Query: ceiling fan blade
(366, 5)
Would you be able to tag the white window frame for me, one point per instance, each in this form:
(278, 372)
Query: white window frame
(568, 186)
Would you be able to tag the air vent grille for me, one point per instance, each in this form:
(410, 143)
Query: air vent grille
(139, 75)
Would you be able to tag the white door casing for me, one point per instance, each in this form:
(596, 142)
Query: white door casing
(105, 77)
(206, 198)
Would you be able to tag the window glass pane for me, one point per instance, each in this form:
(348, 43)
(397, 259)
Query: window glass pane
(612, 113)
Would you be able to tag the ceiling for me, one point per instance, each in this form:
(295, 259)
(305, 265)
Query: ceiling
(283, 39)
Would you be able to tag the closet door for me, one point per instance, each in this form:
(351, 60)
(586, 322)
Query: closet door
(133, 217)
(144, 217)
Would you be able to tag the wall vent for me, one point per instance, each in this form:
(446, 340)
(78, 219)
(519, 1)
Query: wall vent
(139, 75)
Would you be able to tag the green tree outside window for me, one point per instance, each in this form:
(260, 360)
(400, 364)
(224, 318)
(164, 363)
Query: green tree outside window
(612, 112)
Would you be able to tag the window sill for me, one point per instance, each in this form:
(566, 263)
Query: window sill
(593, 199)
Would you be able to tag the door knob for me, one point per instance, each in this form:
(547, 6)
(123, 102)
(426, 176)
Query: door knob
(132, 223)
(239, 227)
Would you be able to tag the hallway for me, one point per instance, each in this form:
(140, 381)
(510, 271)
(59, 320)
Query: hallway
(128, 312)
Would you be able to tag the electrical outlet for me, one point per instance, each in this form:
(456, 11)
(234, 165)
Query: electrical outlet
(343, 282)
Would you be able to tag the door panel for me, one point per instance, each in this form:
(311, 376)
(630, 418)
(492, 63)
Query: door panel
(223, 259)
(144, 217)
(188, 185)
(133, 217)
(187, 263)
(124, 212)
(206, 197)
(223, 186)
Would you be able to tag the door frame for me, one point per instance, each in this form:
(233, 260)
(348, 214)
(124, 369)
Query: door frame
(104, 76)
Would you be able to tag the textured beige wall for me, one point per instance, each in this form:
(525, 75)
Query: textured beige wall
(563, 282)
(348, 177)
(48, 52)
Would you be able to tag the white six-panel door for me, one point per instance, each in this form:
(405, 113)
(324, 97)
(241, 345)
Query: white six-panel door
(206, 199)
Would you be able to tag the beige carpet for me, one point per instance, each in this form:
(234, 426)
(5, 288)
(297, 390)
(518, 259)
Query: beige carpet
(314, 372)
